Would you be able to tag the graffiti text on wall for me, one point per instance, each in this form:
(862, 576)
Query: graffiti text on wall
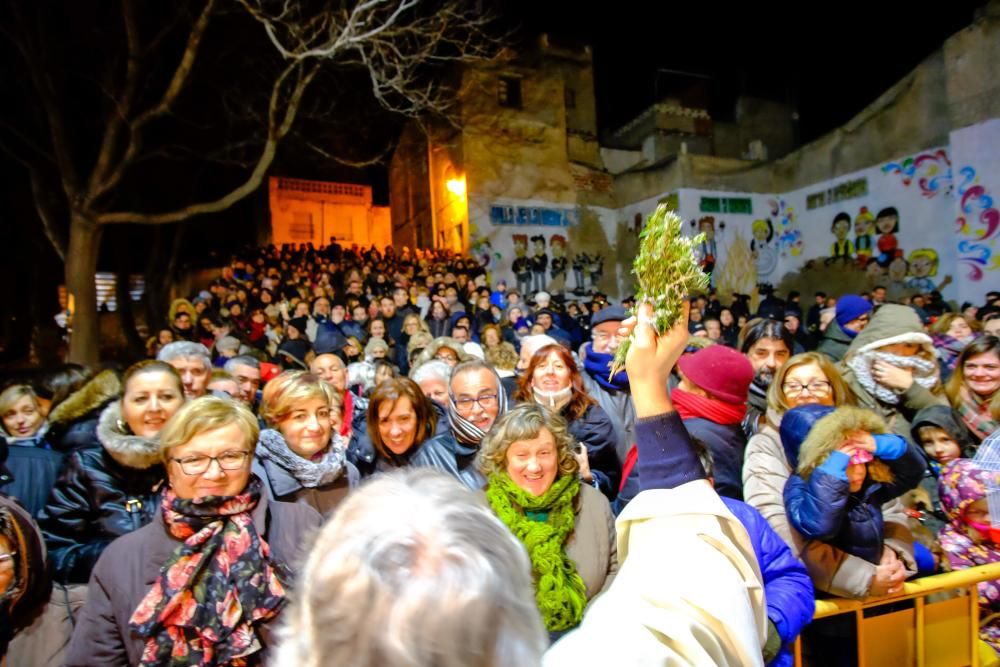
(847, 190)
(743, 205)
(932, 171)
(531, 215)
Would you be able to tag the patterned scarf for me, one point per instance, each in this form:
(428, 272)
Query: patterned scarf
(560, 592)
(215, 589)
(310, 474)
(924, 373)
(976, 414)
(949, 348)
(465, 431)
(598, 366)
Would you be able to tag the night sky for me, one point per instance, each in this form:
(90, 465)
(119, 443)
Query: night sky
(829, 60)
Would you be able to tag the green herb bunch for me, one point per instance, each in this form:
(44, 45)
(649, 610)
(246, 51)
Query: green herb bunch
(666, 271)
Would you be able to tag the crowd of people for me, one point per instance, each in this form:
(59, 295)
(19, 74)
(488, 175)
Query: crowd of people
(336, 452)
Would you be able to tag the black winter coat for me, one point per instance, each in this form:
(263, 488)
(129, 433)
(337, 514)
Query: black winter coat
(103, 493)
(444, 453)
(597, 433)
(726, 443)
(30, 473)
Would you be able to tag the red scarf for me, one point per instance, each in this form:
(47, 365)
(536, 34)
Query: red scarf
(345, 422)
(692, 405)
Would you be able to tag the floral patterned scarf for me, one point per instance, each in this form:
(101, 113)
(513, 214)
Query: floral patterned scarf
(215, 589)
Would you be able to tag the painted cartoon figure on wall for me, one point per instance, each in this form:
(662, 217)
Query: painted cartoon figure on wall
(898, 268)
(761, 249)
(887, 224)
(596, 270)
(580, 263)
(863, 236)
(557, 243)
(842, 248)
(924, 266)
(708, 250)
(522, 265)
(539, 262)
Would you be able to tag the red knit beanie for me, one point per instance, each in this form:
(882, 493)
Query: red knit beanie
(721, 371)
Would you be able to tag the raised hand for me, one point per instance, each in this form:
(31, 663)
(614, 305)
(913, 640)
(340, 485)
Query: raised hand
(651, 357)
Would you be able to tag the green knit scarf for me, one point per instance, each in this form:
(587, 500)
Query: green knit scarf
(560, 593)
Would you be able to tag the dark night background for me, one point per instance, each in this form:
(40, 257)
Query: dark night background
(827, 60)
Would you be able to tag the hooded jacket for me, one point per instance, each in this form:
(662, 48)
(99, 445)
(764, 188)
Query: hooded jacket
(944, 418)
(835, 342)
(103, 493)
(73, 423)
(20, 607)
(892, 324)
(818, 498)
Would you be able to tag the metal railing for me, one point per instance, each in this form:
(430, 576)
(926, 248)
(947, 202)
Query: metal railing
(938, 633)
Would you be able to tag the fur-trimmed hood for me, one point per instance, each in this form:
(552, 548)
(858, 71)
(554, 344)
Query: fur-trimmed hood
(102, 388)
(892, 324)
(828, 433)
(129, 450)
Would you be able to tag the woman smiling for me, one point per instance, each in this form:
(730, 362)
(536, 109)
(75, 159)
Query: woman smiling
(533, 486)
(215, 543)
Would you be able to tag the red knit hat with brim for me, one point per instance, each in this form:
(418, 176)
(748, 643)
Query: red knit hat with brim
(721, 371)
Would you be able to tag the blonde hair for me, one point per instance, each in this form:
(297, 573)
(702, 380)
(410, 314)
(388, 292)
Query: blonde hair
(526, 422)
(421, 323)
(943, 323)
(283, 393)
(15, 393)
(841, 393)
(208, 413)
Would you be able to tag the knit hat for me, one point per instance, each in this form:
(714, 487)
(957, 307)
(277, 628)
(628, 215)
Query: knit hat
(543, 299)
(609, 314)
(795, 426)
(719, 370)
(850, 307)
(300, 324)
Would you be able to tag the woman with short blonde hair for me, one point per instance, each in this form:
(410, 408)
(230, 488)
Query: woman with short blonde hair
(300, 457)
(215, 543)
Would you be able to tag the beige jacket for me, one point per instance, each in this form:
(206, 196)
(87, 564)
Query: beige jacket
(688, 591)
(593, 546)
(765, 471)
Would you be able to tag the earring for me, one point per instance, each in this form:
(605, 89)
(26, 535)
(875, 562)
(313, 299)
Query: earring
(122, 426)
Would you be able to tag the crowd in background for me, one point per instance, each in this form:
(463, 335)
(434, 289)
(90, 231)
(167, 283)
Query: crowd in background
(840, 433)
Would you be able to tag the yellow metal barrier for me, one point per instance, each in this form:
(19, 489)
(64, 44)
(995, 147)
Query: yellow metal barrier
(928, 635)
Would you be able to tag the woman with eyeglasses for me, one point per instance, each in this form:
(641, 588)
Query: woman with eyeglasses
(445, 349)
(299, 457)
(204, 582)
(805, 379)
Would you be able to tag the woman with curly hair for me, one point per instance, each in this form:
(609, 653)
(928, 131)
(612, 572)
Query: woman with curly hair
(534, 487)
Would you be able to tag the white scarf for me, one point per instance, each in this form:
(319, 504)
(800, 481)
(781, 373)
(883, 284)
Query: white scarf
(924, 373)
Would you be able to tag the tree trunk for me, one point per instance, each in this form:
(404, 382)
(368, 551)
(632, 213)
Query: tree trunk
(81, 265)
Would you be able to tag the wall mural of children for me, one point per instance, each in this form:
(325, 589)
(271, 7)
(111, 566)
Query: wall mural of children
(923, 267)
(887, 224)
(539, 262)
(708, 251)
(521, 265)
(557, 243)
(596, 270)
(863, 225)
(842, 248)
(580, 262)
(764, 255)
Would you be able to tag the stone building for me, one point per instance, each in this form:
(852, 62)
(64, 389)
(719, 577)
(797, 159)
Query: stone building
(320, 212)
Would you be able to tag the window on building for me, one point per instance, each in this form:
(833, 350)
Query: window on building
(509, 92)
(570, 95)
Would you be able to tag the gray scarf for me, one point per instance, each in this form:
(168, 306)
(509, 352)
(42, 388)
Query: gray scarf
(271, 446)
(465, 431)
(924, 373)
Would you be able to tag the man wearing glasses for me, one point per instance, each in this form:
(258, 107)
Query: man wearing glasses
(853, 313)
(475, 400)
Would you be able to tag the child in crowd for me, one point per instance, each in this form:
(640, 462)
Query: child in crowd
(943, 439)
(848, 467)
(969, 539)
(787, 587)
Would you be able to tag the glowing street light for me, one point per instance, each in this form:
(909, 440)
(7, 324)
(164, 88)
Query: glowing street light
(456, 186)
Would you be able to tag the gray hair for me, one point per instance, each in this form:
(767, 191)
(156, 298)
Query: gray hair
(242, 360)
(228, 343)
(185, 349)
(472, 364)
(536, 342)
(434, 369)
(414, 569)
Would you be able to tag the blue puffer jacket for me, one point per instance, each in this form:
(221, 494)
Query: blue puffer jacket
(787, 586)
(818, 499)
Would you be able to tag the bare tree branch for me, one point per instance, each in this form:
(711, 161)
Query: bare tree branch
(278, 126)
(43, 206)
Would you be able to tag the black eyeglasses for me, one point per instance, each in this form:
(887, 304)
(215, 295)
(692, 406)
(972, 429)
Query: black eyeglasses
(486, 401)
(198, 465)
(816, 388)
